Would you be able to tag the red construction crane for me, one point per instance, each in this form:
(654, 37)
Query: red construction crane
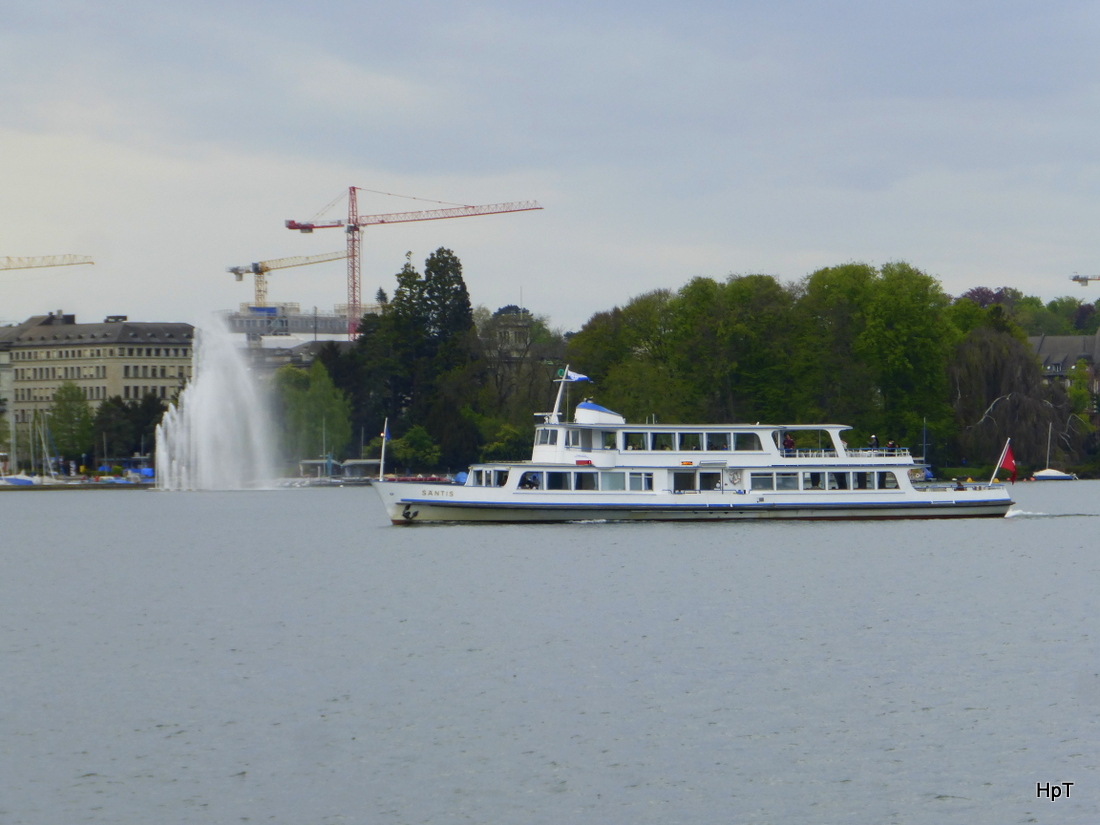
(355, 221)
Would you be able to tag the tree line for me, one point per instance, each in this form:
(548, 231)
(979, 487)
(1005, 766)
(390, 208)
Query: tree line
(883, 349)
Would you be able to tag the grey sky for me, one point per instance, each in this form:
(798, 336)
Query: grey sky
(664, 141)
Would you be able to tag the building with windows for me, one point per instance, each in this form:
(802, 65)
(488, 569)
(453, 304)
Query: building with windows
(1058, 354)
(116, 357)
(273, 325)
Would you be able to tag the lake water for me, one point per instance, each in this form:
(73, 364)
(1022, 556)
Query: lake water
(288, 656)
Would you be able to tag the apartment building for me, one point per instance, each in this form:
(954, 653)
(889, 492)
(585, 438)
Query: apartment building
(116, 357)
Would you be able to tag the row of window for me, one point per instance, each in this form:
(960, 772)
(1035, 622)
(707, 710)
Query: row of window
(98, 371)
(145, 371)
(653, 441)
(579, 480)
(141, 392)
(147, 352)
(824, 481)
(688, 481)
(63, 373)
(34, 355)
(45, 394)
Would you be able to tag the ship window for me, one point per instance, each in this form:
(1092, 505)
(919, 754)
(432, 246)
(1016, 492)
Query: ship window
(585, 481)
(502, 477)
(710, 481)
(690, 441)
(477, 478)
(572, 438)
(609, 441)
(813, 481)
(641, 481)
(887, 481)
(718, 441)
(557, 481)
(612, 481)
(786, 481)
(682, 482)
(746, 441)
(530, 481)
(763, 481)
(838, 481)
(548, 437)
(863, 481)
(662, 441)
(636, 441)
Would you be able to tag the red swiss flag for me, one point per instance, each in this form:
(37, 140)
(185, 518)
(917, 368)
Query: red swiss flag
(1009, 463)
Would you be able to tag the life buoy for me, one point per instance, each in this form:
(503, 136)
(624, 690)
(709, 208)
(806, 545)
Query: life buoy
(734, 476)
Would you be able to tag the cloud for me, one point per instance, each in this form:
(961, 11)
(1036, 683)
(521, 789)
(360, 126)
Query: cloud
(665, 142)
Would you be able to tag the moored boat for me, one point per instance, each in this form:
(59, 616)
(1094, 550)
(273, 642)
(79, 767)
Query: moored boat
(1051, 474)
(599, 467)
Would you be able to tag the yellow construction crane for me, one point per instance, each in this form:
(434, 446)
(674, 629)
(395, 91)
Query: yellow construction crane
(261, 268)
(47, 260)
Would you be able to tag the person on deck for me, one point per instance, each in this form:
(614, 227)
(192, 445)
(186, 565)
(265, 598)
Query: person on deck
(873, 443)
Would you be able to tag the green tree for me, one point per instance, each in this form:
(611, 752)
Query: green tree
(446, 299)
(600, 344)
(509, 444)
(1080, 397)
(316, 416)
(626, 352)
(70, 421)
(145, 414)
(732, 344)
(906, 342)
(832, 379)
(415, 450)
(113, 428)
(997, 393)
(123, 428)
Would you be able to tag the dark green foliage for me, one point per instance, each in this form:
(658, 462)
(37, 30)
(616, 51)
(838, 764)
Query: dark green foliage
(127, 427)
(70, 420)
(114, 429)
(906, 343)
(882, 349)
(424, 361)
(997, 393)
(831, 381)
(874, 348)
(315, 415)
(415, 450)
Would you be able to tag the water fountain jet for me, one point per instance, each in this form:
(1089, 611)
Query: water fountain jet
(219, 435)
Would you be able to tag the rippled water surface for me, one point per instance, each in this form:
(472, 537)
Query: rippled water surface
(288, 656)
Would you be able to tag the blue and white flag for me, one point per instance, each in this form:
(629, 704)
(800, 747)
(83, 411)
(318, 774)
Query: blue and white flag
(575, 376)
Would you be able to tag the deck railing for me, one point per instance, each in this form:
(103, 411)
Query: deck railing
(881, 452)
(864, 452)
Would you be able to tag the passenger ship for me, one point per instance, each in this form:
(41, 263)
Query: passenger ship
(598, 467)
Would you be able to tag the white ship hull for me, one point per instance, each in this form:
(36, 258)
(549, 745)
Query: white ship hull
(409, 502)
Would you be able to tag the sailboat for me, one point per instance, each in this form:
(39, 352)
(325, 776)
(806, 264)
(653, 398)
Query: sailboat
(1050, 474)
